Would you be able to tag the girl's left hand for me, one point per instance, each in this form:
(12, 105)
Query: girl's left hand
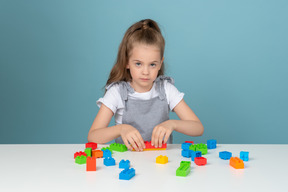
(161, 130)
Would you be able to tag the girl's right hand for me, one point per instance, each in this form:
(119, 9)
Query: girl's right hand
(131, 136)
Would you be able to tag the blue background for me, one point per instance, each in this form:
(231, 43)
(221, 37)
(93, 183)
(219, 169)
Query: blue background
(228, 57)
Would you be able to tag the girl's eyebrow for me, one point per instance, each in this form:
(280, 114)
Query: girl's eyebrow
(151, 61)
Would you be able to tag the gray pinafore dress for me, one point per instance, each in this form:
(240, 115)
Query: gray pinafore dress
(144, 115)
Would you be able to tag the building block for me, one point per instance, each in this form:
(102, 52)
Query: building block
(91, 164)
(88, 151)
(80, 159)
(193, 147)
(200, 161)
(97, 153)
(162, 159)
(184, 169)
(104, 148)
(186, 153)
(79, 154)
(127, 174)
(211, 144)
(236, 162)
(149, 147)
(185, 146)
(91, 145)
(106, 153)
(118, 147)
(192, 142)
(226, 155)
(124, 164)
(244, 155)
(202, 147)
(109, 161)
(195, 154)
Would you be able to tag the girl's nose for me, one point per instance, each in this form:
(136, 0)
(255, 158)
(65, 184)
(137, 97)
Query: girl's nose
(145, 70)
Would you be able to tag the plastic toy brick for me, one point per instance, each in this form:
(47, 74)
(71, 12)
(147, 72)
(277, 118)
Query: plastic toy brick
(88, 151)
(226, 155)
(193, 147)
(118, 147)
(185, 163)
(97, 153)
(192, 142)
(91, 164)
(109, 161)
(200, 161)
(195, 154)
(104, 148)
(79, 154)
(127, 174)
(162, 159)
(185, 146)
(186, 153)
(149, 147)
(124, 164)
(236, 162)
(244, 155)
(80, 159)
(91, 145)
(202, 147)
(211, 144)
(106, 153)
(184, 169)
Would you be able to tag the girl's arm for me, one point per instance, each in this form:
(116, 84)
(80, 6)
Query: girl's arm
(189, 124)
(101, 133)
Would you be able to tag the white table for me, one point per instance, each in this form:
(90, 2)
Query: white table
(52, 168)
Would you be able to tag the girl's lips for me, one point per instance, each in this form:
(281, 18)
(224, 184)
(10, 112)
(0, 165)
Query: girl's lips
(143, 79)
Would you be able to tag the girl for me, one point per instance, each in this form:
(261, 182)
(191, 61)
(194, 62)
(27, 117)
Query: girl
(140, 96)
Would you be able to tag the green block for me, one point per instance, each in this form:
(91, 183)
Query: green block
(193, 147)
(185, 163)
(203, 148)
(88, 151)
(80, 159)
(183, 170)
(118, 147)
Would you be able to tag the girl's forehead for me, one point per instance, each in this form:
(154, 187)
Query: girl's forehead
(145, 49)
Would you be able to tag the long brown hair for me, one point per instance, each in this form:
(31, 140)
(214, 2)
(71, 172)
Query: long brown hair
(145, 31)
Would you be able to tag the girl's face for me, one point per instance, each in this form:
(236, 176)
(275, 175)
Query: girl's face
(144, 63)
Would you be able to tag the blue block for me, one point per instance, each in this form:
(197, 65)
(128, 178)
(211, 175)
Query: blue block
(127, 174)
(109, 161)
(185, 146)
(244, 155)
(225, 155)
(211, 144)
(106, 153)
(195, 154)
(124, 164)
(186, 153)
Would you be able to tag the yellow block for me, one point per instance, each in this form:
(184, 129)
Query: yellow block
(162, 159)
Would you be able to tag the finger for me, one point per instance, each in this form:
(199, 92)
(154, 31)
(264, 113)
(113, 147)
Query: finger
(153, 138)
(167, 135)
(132, 142)
(156, 138)
(161, 136)
(127, 144)
(140, 141)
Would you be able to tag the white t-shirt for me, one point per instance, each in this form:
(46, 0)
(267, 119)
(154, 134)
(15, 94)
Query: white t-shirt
(112, 98)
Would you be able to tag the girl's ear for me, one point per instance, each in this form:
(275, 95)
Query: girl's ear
(127, 66)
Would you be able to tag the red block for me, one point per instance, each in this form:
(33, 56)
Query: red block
(91, 145)
(79, 154)
(200, 161)
(149, 146)
(189, 142)
(91, 164)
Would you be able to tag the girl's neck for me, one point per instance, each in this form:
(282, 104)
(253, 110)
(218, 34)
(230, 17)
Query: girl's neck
(140, 89)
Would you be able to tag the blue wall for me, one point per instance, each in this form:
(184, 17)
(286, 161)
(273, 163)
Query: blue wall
(228, 57)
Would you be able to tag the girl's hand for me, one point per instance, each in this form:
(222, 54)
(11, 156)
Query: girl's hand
(161, 130)
(131, 136)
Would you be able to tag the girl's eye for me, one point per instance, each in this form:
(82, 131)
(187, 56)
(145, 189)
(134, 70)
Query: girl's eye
(138, 64)
(153, 65)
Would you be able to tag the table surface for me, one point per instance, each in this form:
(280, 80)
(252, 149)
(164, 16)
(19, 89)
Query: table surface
(52, 167)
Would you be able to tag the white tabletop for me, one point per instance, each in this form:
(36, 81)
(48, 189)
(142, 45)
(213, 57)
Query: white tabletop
(52, 168)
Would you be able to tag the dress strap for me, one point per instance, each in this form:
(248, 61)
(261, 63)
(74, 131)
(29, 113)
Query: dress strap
(124, 88)
(160, 85)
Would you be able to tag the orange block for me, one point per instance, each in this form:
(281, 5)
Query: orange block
(91, 164)
(237, 163)
(97, 153)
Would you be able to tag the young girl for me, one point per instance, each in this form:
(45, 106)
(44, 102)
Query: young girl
(140, 96)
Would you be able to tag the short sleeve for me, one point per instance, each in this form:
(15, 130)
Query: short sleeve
(173, 95)
(111, 99)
